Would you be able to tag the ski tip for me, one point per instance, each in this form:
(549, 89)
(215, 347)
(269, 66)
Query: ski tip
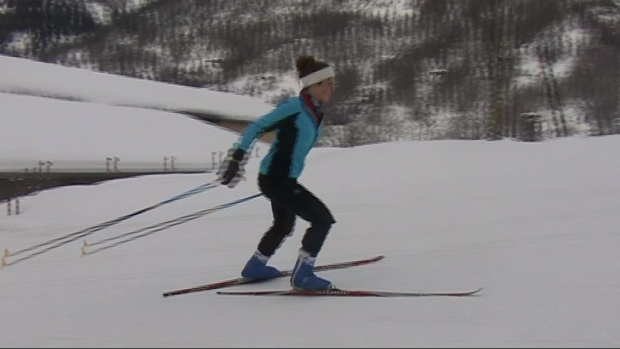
(470, 293)
(374, 259)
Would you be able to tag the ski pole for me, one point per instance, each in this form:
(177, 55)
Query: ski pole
(161, 226)
(79, 234)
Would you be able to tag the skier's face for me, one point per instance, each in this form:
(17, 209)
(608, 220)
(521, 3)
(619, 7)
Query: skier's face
(323, 90)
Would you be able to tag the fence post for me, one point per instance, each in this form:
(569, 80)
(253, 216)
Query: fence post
(530, 129)
(116, 160)
(8, 205)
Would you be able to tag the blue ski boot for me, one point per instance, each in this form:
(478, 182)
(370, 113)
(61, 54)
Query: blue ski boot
(303, 277)
(257, 268)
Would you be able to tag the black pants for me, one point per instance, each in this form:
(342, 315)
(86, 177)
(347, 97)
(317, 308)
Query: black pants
(289, 199)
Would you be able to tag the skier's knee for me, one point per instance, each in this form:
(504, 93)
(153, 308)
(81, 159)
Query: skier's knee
(325, 220)
(285, 228)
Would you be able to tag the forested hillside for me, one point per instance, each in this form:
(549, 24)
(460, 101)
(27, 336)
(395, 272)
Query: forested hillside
(419, 69)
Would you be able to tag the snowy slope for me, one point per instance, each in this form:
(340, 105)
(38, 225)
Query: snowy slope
(535, 224)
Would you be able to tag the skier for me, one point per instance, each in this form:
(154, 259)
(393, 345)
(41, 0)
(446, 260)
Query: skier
(298, 122)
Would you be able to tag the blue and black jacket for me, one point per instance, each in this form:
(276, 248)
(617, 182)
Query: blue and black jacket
(298, 128)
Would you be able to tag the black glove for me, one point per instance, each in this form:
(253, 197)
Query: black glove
(231, 171)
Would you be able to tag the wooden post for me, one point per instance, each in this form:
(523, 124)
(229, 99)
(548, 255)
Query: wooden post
(530, 127)
(116, 160)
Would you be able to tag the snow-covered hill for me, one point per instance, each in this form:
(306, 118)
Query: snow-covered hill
(535, 224)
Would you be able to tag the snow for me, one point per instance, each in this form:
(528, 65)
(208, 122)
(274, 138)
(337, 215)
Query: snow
(22, 76)
(268, 86)
(102, 13)
(535, 224)
(141, 138)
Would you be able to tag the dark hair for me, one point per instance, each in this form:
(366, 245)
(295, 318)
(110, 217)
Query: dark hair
(307, 65)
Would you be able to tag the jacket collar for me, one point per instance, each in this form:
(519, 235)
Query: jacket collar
(314, 106)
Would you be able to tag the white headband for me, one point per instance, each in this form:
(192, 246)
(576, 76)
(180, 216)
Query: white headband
(317, 76)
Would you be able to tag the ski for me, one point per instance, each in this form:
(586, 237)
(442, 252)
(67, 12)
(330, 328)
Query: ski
(349, 293)
(285, 273)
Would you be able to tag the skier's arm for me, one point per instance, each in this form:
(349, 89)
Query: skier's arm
(261, 125)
